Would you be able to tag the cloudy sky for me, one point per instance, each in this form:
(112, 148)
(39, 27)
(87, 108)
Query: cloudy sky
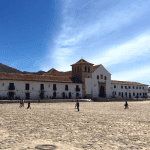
(43, 34)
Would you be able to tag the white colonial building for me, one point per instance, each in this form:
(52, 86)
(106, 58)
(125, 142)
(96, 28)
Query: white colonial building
(85, 80)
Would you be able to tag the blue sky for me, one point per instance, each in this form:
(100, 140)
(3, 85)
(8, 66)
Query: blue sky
(43, 34)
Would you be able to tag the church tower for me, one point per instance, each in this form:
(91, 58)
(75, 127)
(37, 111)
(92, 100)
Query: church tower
(81, 70)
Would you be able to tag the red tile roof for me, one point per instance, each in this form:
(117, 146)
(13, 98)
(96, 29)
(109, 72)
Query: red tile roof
(82, 61)
(55, 76)
(127, 83)
(54, 72)
(51, 72)
(95, 67)
(30, 77)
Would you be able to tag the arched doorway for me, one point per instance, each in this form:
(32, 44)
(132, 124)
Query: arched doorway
(102, 91)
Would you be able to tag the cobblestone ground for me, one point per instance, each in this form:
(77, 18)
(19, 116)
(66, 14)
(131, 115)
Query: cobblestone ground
(97, 126)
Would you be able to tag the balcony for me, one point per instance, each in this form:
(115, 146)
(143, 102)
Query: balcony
(11, 88)
(77, 89)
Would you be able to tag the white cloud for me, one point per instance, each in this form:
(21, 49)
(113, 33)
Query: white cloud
(74, 35)
(131, 50)
(135, 75)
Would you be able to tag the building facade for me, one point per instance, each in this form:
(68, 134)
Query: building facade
(85, 80)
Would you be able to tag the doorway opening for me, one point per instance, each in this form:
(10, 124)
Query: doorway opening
(27, 95)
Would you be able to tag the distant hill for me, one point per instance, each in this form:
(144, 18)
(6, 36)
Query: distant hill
(7, 69)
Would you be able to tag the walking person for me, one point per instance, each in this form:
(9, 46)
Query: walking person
(126, 105)
(20, 103)
(23, 103)
(78, 105)
(28, 105)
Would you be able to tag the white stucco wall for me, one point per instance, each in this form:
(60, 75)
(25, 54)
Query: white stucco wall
(92, 83)
(34, 88)
(131, 90)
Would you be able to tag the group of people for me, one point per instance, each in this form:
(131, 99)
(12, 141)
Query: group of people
(76, 105)
(22, 104)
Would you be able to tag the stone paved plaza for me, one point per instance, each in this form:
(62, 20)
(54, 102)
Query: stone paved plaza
(97, 126)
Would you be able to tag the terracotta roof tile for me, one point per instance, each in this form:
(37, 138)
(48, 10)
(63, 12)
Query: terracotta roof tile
(51, 72)
(30, 77)
(54, 72)
(95, 67)
(82, 61)
(127, 83)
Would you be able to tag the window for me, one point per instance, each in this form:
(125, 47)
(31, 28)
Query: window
(119, 93)
(11, 86)
(114, 86)
(140, 94)
(54, 86)
(125, 87)
(133, 87)
(139, 87)
(115, 92)
(85, 68)
(97, 76)
(42, 87)
(101, 76)
(133, 93)
(129, 87)
(88, 69)
(66, 87)
(122, 87)
(27, 86)
(105, 78)
(78, 69)
(77, 86)
(126, 93)
(75, 69)
(146, 94)
(143, 87)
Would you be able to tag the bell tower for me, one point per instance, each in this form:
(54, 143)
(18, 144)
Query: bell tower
(81, 70)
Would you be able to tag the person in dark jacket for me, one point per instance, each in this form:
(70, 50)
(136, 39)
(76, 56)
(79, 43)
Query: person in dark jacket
(29, 105)
(77, 105)
(126, 105)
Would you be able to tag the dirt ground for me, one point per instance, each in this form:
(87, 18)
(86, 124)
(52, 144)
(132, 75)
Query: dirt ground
(97, 126)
